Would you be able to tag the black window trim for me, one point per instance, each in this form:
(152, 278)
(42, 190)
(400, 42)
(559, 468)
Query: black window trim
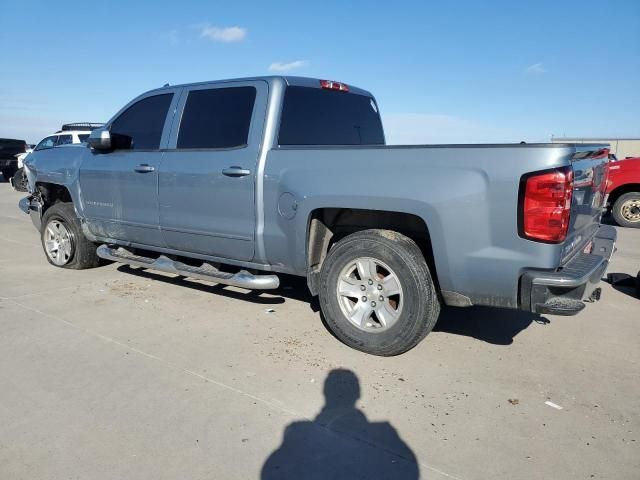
(199, 149)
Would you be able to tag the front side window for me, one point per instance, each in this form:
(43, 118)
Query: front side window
(64, 140)
(83, 137)
(217, 118)
(48, 142)
(140, 126)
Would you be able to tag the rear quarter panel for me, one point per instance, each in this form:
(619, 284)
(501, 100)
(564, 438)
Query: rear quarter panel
(466, 195)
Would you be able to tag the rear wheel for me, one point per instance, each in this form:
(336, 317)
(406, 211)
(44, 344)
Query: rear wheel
(626, 210)
(64, 244)
(377, 294)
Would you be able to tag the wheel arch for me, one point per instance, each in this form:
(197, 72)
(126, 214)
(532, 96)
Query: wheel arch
(326, 226)
(621, 190)
(52, 193)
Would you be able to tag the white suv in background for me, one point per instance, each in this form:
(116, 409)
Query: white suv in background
(69, 134)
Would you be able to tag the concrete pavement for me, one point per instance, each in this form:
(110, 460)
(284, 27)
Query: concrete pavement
(123, 373)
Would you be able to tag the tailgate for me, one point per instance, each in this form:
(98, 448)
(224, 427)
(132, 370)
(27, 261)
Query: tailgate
(590, 171)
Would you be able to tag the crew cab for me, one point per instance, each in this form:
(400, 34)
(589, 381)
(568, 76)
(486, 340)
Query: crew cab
(623, 188)
(238, 181)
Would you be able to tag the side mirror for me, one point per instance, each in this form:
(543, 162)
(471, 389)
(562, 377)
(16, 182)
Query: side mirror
(100, 139)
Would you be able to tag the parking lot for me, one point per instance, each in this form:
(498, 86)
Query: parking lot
(124, 373)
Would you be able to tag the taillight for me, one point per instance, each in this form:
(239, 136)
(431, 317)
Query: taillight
(546, 205)
(331, 85)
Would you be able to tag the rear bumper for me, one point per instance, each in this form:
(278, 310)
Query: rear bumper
(562, 292)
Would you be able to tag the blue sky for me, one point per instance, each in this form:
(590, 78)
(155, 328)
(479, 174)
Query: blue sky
(457, 71)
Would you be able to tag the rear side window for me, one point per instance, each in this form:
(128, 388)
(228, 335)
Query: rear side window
(140, 126)
(313, 116)
(64, 140)
(217, 118)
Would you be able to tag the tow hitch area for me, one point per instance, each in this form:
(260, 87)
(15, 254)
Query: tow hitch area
(563, 292)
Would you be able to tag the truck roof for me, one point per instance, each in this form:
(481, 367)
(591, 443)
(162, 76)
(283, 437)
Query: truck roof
(288, 80)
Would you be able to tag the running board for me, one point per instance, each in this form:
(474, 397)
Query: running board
(207, 272)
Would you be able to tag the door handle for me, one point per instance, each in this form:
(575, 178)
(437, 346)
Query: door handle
(144, 168)
(236, 172)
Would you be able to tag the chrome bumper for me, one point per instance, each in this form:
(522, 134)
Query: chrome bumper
(32, 207)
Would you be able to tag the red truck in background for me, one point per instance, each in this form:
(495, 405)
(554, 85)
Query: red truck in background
(623, 188)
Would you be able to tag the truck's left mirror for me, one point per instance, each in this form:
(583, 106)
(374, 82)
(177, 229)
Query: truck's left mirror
(100, 139)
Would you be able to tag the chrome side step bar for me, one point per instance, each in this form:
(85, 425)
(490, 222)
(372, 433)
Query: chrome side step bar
(207, 272)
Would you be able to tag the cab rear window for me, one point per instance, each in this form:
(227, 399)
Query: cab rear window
(314, 116)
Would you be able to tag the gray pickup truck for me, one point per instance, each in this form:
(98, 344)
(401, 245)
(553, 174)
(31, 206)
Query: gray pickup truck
(237, 181)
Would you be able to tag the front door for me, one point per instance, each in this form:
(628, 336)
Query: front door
(120, 187)
(207, 175)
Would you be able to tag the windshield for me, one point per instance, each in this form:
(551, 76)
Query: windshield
(48, 142)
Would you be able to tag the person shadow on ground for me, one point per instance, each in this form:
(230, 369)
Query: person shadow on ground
(340, 443)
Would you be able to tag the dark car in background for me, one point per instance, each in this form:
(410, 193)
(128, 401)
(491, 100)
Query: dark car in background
(9, 148)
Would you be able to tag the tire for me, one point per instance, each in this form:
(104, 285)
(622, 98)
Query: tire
(61, 227)
(410, 315)
(20, 181)
(626, 210)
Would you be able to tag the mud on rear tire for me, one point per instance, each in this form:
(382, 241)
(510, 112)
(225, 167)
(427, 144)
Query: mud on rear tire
(83, 252)
(419, 305)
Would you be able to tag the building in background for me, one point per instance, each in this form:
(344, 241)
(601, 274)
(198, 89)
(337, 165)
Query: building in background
(620, 147)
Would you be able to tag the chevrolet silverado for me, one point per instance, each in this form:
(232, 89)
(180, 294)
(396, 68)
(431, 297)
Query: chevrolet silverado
(237, 181)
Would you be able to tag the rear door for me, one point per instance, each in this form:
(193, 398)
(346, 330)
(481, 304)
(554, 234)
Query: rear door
(120, 187)
(207, 175)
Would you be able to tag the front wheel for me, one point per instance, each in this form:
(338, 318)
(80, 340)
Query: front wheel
(626, 210)
(377, 294)
(63, 242)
